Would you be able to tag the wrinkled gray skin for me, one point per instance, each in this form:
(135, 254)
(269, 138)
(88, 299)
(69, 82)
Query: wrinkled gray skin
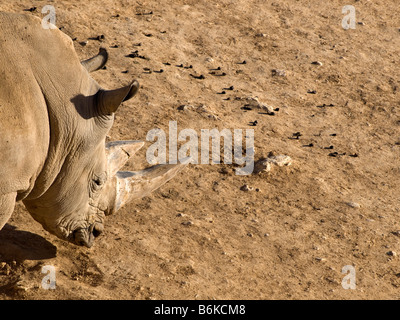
(54, 119)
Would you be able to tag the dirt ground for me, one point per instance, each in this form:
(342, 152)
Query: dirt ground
(200, 236)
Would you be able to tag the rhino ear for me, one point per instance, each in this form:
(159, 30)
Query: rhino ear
(97, 62)
(110, 100)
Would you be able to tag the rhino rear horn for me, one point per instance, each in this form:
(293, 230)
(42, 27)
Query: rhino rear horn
(97, 62)
(119, 152)
(110, 100)
(135, 185)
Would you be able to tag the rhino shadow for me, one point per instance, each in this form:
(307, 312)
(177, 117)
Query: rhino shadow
(22, 245)
(83, 105)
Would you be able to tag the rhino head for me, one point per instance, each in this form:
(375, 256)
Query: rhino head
(88, 184)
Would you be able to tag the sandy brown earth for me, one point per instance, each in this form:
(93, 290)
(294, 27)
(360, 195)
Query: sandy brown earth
(200, 236)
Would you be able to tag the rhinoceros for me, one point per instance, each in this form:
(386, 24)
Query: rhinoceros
(54, 119)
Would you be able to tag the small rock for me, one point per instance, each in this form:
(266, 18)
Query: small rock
(213, 117)
(22, 285)
(278, 72)
(33, 9)
(396, 233)
(246, 188)
(318, 63)
(224, 171)
(353, 204)
(265, 164)
(253, 102)
(268, 109)
(262, 165)
(187, 223)
(185, 107)
(391, 253)
(320, 259)
(181, 215)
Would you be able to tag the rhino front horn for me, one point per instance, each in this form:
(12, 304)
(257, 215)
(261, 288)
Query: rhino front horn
(119, 152)
(135, 185)
(110, 100)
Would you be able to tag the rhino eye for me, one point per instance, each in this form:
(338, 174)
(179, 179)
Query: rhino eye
(97, 182)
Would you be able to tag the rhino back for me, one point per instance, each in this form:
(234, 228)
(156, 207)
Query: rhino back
(24, 128)
(40, 74)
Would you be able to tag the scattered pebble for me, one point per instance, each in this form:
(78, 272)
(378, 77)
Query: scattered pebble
(224, 171)
(187, 223)
(278, 72)
(265, 164)
(326, 105)
(144, 13)
(33, 9)
(186, 107)
(391, 253)
(353, 204)
(309, 145)
(254, 103)
(181, 215)
(246, 188)
(320, 259)
(318, 63)
(201, 77)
